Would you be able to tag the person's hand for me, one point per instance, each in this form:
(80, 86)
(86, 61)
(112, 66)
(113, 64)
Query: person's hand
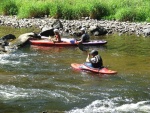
(88, 56)
(50, 38)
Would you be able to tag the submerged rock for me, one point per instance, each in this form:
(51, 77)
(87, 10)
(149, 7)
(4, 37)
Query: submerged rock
(4, 41)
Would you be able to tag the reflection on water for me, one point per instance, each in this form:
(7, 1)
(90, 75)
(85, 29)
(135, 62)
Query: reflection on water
(35, 79)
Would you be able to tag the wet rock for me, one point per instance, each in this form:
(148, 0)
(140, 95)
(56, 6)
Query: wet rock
(96, 30)
(47, 32)
(4, 41)
(2, 50)
(9, 37)
(23, 39)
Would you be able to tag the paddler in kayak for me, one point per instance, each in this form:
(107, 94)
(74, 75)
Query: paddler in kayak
(84, 37)
(57, 37)
(95, 60)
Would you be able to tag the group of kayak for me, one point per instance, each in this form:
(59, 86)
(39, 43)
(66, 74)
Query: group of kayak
(93, 62)
(58, 41)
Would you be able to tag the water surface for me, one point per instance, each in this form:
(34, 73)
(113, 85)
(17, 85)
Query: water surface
(35, 79)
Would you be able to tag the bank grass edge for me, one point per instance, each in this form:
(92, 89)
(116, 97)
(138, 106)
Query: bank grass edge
(122, 10)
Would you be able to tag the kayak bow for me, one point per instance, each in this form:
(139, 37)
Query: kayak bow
(95, 70)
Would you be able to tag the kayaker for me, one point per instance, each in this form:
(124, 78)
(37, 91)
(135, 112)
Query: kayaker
(84, 37)
(57, 37)
(96, 60)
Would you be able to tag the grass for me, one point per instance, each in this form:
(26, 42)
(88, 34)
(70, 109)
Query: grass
(122, 10)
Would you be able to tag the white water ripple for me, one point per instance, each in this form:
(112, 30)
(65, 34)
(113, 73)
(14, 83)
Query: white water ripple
(16, 59)
(10, 92)
(108, 106)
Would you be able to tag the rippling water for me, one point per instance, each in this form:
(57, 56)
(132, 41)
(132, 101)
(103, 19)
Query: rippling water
(36, 79)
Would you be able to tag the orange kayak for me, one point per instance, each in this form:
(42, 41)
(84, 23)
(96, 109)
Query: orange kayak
(95, 70)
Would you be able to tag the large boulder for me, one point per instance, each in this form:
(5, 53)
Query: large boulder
(57, 24)
(23, 39)
(48, 30)
(97, 30)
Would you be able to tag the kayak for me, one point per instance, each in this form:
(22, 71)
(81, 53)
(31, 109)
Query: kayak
(51, 43)
(95, 42)
(95, 70)
(66, 42)
(92, 42)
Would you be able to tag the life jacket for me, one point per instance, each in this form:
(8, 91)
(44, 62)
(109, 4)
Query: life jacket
(85, 38)
(58, 37)
(96, 61)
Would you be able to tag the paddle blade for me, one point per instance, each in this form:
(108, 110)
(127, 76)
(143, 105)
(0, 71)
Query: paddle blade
(81, 47)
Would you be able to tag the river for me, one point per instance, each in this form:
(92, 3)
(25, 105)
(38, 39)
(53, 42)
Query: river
(40, 79)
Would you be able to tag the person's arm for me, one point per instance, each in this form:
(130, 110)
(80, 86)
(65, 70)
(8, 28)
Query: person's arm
(55, 37)
(88, 58)
(59, 38)
(81, 39)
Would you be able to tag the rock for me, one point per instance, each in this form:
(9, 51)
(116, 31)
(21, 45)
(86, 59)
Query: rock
(146, 31)
(104, 26)
(96, 30)
(9, 37)
(57, 24)
(47, 33)
(48, 30)
(23, 39)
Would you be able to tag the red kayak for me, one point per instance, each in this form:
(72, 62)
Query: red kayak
(51, 43)
(66, 42)
(95, 70)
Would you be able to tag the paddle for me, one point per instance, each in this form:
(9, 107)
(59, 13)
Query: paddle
(81, 47)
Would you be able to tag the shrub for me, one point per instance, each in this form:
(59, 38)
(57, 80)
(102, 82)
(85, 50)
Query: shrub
(98, 11)
(125, 14)
(9, 8)
(33, 10)
(56, 10)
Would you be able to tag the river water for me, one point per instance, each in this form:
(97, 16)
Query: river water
(40, 79)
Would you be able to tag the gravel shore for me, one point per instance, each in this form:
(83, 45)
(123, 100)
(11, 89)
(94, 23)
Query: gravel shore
(103, 27)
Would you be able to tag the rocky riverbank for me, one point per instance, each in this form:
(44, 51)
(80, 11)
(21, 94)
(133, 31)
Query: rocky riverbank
(95, 27)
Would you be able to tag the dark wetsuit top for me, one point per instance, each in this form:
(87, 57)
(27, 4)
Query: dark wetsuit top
(96, 61)
(85, 37)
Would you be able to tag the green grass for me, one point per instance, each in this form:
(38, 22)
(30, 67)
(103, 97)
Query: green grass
(8, 8)
(122, 10)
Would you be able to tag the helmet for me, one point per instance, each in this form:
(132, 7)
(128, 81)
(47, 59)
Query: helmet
(94, 52)
(56, 30)
(82, 29)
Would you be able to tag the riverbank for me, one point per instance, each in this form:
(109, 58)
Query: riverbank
(104, 27)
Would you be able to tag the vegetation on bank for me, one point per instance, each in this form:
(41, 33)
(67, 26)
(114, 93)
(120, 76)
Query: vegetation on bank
(122, 10)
